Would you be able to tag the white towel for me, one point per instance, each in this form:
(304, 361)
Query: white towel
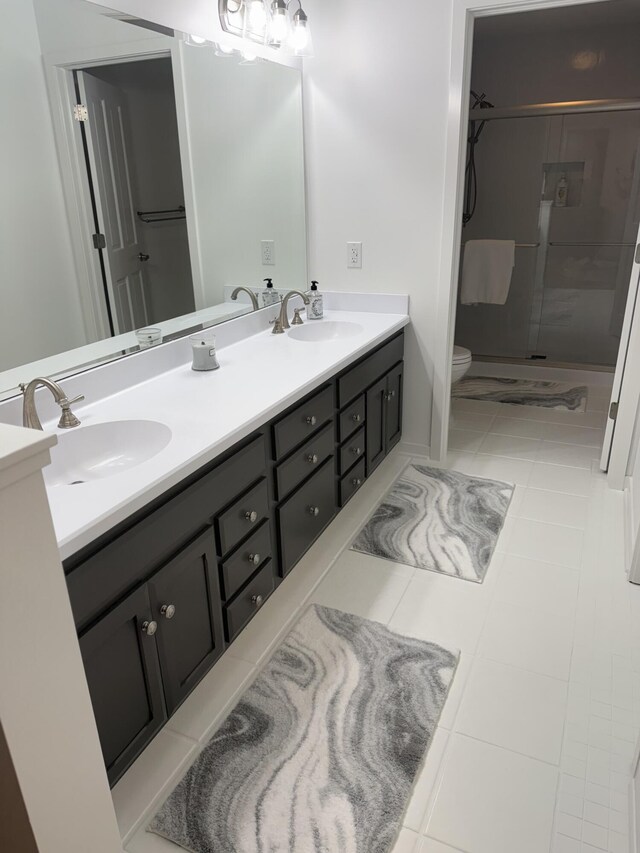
(486, 271)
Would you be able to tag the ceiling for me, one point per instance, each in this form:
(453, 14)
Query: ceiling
(581, 16)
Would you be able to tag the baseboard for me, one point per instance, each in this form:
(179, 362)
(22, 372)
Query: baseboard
(409, 449)
(629, 532)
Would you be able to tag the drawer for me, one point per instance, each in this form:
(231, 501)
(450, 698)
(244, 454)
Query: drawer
(249, 601)
(125, 557)
(303, 462)
(238, 568)
(352, 450)
(372, 367)
(351, 482)
(304, 515)
(352, 418)
(302, 422)
(243, 516)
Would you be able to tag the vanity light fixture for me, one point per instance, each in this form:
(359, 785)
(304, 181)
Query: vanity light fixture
(268, 22)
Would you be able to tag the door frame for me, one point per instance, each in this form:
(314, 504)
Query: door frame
(463, 15)
(59, 68)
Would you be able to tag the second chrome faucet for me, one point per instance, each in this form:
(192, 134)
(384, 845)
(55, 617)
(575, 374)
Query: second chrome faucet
(282, 321)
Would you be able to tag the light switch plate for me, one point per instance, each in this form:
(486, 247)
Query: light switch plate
(354, 256)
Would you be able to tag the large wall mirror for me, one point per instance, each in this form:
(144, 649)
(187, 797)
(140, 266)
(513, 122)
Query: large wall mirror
(180, 178)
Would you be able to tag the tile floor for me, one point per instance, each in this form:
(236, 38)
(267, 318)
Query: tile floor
(534, 749)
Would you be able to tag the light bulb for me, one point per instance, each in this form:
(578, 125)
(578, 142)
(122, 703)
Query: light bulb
(257, 16)
(248, 55)
(279, 24)
(223, 50)
(197, 39)
(300, 37)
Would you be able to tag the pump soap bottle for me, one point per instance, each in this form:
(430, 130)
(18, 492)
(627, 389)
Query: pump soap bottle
(315, 307)
(270, 296)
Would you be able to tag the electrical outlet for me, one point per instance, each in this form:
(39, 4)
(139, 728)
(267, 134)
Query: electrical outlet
(268, 253)
(354, 256)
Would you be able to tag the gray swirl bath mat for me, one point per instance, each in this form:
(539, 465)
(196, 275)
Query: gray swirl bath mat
(522, 392)
(438, 520)
(320, 754)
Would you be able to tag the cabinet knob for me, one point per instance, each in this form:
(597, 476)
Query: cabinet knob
(168, 611)
(149, 628)
(312, 458)
(356, 450)
(312, 420)
(391, 395)
(313, 510)
(356, 481)
(258, 600)
(356, 418)
(254, 559)
(251, 516)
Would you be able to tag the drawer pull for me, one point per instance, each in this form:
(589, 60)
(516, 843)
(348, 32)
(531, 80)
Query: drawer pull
(258, 600)
(149, 628)
(312, 458)
(168, 611)
(312, 420)
(356, 418)
(313, 510)
(251, 516)
(356, 481)
(357, 451)
(254, 559)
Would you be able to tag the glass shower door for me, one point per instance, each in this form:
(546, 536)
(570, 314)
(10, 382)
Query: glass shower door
(508, 160)
(579, 299)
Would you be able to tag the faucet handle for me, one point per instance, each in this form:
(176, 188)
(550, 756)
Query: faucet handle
(67, 418)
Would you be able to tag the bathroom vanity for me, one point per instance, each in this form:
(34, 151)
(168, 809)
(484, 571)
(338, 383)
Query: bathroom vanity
(158, 597)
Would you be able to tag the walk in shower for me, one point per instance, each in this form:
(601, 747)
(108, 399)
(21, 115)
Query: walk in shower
(563, 181)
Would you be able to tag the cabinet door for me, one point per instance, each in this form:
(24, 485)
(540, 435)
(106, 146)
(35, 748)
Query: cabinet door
(393, 425)
(375, 424)
(121, 664)
(185, 601)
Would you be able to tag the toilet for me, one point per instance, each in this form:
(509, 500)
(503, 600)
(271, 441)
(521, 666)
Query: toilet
(461, 363)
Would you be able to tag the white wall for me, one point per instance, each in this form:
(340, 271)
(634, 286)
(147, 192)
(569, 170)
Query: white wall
(376, 103)
(40, 309)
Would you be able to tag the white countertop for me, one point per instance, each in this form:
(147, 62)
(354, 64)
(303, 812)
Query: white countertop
(207, 413)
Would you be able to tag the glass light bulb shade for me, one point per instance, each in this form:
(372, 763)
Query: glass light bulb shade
(257, 16)
(300, 38)
(278, 26)
(248, 55)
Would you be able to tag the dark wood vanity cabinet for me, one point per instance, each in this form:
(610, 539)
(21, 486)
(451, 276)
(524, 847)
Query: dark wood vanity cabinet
(157, 600)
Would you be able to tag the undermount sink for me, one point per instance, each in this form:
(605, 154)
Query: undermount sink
(86, 454)
(325, 330)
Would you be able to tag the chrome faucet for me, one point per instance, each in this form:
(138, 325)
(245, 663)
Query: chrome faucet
(29, 412)
(252, 296)
(282, 322)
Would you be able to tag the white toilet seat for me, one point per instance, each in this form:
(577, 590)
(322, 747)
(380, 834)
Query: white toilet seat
(461, 363)
(461, 355)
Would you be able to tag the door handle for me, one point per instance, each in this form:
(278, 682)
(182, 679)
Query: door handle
(143, 257)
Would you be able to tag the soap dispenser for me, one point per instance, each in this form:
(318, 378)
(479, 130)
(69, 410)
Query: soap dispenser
(315, 307)
(270, 295)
